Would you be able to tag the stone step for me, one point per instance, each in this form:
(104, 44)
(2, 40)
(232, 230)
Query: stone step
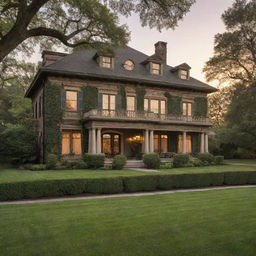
(129, 163)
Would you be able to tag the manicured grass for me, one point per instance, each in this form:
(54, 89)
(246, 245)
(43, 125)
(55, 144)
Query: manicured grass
(241, 161)
(14, 175)
(208, 223)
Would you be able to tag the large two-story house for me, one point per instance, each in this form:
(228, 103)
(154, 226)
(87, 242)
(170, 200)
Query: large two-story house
(118, 102)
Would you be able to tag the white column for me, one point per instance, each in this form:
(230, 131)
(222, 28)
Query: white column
(206, 143)
(202, 143)
(89, 141)
(184, 143)
(93, 141)
(151, 141)
(98, 141)
(146, 150)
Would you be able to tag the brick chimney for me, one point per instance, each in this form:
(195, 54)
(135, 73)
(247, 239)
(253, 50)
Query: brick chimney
(49, 57)
(160, 50)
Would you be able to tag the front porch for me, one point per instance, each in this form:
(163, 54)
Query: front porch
(135, 142)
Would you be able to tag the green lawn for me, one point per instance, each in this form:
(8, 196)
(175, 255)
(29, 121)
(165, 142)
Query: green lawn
(13, 175)
(207, 223)
(241, 161)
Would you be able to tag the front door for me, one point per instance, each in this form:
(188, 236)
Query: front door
(111, 144)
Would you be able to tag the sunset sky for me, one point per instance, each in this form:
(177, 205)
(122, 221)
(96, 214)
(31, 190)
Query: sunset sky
(191, 41)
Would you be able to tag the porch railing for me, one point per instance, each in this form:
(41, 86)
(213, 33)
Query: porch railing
(141, 115)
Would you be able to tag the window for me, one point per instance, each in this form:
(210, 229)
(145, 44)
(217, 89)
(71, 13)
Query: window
(71, 100)
(108, 104)
(184, 74)
(155, 106)
(156, 69)
(187, 109)
(106, 62)
(160, 143)
(71, 143)
(130, 103)
(128, 65)
(188, 143)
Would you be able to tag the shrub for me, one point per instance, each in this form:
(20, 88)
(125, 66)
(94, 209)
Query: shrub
(38, 167)
(73, 165)
(206, 157)
(119, 162)
(219, 160)
(166, 166)
(94, 161)
(197, 162)
(140, 183)
(51, 161)
(180, 160)
(151, 160)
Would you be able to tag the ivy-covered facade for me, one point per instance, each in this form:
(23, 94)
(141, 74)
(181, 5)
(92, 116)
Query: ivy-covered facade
(125, 103)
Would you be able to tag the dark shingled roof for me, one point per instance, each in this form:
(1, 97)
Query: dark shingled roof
(83, 63)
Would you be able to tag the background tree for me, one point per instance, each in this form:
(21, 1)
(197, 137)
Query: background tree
(74, 23)
(235, 50)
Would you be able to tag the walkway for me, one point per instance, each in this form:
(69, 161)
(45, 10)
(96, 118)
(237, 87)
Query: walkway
(88, 197)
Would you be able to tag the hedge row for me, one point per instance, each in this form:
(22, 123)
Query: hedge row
(53, 188)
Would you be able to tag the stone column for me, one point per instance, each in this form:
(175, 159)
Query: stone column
(206, 143)
(184, 143)
(202, 143)
(146, 150)
(89, 141)
(151, 141)
(98, 141)
(93, 141)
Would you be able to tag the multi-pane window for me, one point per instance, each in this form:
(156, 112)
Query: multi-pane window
(155, 106)
(184, 74)
(71, 100)
(156, 68)
(108, 104)
(106, 62)
(187, 109)
(188, 143)
(130, 102)
(71, 143)
(160, 143)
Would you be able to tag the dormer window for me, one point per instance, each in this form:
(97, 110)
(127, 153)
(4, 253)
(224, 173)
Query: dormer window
(184, 74)
(156, 68)
(106, 62)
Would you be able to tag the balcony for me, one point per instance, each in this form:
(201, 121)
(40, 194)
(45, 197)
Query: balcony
(135, 116)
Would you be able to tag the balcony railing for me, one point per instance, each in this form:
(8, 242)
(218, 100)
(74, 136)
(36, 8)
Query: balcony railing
(141, 116)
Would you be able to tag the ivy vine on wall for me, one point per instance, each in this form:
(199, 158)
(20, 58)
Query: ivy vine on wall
(140, 93)
(52, 119)
(173, 104)
(90, 97)
(200, 107)
(122, 93)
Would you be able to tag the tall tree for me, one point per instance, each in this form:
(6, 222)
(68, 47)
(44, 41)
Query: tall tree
(235, 50)
(74, 23)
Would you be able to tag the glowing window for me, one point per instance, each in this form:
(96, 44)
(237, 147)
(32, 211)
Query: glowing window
(130, 103)
(188, 143)
(156, 69)
(183, 74)
(106, 62)
(187, 109)
(71, 100)
(128, 65)
(71, 143)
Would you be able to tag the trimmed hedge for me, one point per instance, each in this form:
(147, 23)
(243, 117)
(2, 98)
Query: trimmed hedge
(54, 188)
(180, 160)
(119, 162)
(94, 161)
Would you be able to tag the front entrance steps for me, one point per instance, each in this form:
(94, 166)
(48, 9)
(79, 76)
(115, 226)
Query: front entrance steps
(131, 163)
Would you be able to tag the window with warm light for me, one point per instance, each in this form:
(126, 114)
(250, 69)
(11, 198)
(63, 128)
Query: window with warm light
(184, 74)
(187, 109)
(130, 102)
(128, 65)
(71, 100)
(155, 106)
(106, 62)
(71, 143)
(156, 68)
(160, 143)
(108, 104)
(188, 143)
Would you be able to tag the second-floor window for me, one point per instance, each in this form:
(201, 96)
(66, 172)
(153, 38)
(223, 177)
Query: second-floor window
(156, 68)
(106, 62)
(71, 100)
(130, 100)
(108, 104)
(155, 106)
(187, 109)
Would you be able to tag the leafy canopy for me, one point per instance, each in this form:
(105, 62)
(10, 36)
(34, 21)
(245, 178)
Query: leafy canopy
(76, 23)
(235, 50)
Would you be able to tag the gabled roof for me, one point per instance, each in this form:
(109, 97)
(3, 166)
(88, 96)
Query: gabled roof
(181, 66)
(83, 64)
